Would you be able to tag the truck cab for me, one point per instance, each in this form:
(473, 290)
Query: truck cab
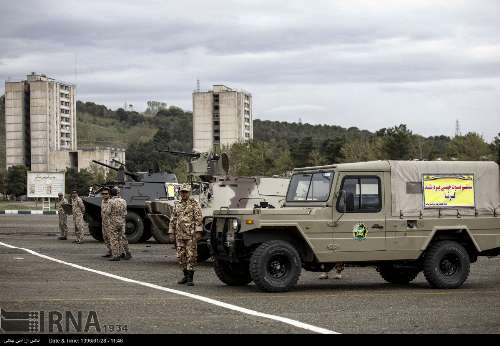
(401, 217)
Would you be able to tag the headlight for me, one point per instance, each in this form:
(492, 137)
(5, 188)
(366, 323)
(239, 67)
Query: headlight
(235, 225)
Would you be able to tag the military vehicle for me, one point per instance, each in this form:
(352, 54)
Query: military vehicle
(136, 190)
(214, 189)
(401, 217)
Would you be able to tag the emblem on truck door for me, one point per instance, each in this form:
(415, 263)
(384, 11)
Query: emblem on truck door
(360, 231)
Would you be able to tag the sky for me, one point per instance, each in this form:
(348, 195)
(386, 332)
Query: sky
(368, 64)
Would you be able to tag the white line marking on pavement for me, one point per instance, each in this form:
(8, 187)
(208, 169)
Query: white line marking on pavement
(285, 320)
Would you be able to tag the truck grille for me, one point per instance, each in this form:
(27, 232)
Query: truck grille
(218, 236)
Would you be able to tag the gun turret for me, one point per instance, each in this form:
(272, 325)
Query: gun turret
(134, 176)
(205, 166)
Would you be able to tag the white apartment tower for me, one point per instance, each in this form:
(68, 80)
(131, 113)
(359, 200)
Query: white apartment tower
(221, 117)
(40, 120)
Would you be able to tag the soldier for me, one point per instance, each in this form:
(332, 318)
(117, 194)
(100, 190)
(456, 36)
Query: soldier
(186, 228)
(63, 218)
(119, 207)
(78, 209)
(105, 218)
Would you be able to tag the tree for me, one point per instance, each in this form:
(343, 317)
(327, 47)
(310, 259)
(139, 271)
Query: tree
(301, 152)
(331, 150)
(259, 158)
(16, 180)
(496, 148)
(470, 147)
(3, 183)
(396, 142)
(362, 149)
(98, 173)
(122, 114)
(181, 171)
(79, 181)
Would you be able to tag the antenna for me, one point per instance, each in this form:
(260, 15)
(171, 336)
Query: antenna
(458, 132)
(198, 85)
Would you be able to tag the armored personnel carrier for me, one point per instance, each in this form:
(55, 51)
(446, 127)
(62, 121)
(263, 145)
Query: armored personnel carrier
(215, 189)
(136, 189)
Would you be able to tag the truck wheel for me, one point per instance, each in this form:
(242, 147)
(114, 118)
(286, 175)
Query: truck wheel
(446, 264)
(95, 228)
(134, 228)
(395, 275)
(275, 266)
(146, 235)
(232, 274)
(160, 234)
(203, 252)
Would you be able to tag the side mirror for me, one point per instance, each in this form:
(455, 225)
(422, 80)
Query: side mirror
(342, 201)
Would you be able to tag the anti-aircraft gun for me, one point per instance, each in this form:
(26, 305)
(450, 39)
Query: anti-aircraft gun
(136, 188)
(214, 189)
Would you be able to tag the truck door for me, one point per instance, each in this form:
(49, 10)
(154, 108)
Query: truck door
(362, 226)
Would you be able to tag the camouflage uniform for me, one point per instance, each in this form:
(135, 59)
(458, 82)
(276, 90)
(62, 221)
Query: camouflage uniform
(120, 210)
(78, 209)
(63, 218)
(185, 221)
(105, 217)
(118, 213)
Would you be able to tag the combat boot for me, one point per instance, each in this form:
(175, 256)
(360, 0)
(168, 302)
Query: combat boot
(126, 256)
(190, 278)
(184, 279)
(107, 255)
(114, 259)
(62, 238)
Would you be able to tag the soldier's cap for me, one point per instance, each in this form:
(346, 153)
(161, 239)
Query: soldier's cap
(115, 190)
(186, 187)
(60, 194)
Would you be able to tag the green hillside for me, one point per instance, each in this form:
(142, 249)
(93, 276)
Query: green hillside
(277, 146)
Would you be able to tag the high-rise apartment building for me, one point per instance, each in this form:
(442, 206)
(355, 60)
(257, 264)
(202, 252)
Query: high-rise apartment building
(40, 120)
(221, 116)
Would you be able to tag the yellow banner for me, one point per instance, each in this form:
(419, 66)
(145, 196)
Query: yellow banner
(441, 191)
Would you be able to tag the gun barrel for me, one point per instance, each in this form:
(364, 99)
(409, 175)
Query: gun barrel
(134, 176)
(118, 162)
(105, 165)
(180, 153)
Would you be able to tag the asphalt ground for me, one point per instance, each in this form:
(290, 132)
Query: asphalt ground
(361, 302)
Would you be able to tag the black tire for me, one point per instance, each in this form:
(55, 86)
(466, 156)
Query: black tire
(95, 228)
(160, 234)
(275, 266)
(232, 274)
(446, 264)
(203, 252)
(134, 228)
(395, 275)
(147, 233)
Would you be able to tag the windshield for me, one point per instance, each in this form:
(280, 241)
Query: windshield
(310, 187)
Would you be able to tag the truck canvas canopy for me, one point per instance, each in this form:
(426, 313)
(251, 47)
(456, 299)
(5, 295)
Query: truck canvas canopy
(431, 188)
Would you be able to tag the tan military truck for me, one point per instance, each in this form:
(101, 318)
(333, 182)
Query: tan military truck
(402, 217)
